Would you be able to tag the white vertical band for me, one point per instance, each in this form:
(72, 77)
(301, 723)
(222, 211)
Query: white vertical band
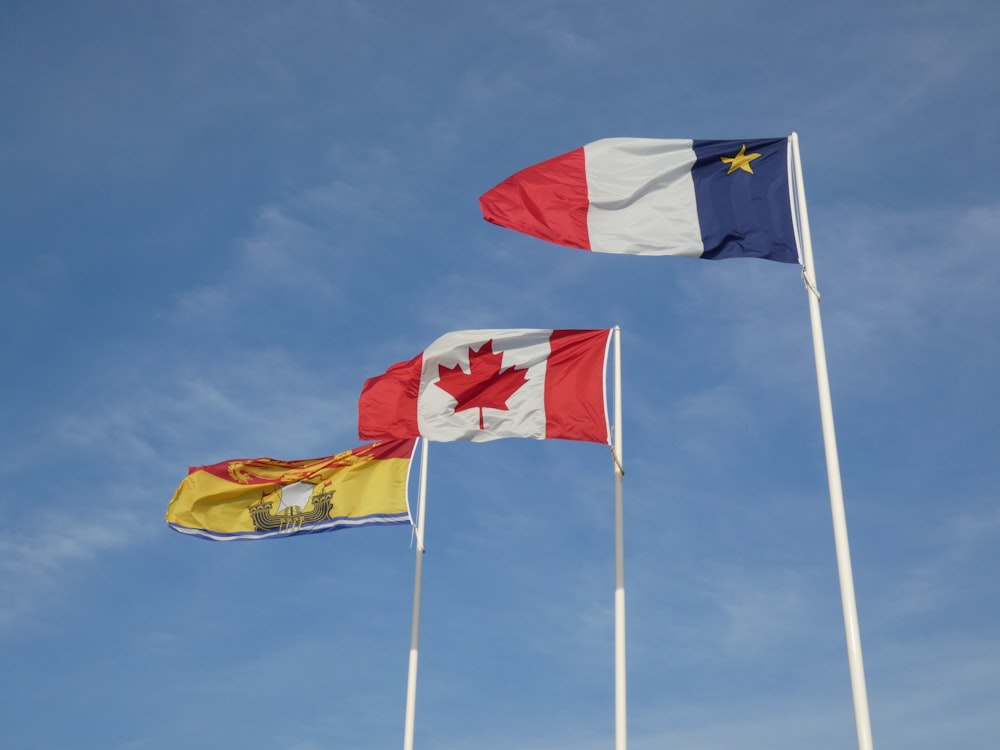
(642, 198)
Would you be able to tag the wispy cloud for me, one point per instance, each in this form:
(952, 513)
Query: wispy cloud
(37, 560)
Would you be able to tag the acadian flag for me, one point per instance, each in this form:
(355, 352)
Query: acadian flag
(260, 498)
(490, 384)
(648, 196)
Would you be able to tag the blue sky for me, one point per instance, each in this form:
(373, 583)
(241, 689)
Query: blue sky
(217, 219)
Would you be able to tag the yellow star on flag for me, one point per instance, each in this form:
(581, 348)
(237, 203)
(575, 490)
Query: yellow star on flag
(740, 161)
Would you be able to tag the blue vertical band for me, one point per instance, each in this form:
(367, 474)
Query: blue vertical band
(742, 192)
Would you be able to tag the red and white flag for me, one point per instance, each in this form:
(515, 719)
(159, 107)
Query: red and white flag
(490, 384)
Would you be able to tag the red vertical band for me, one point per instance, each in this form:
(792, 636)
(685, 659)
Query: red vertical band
(387, 407)
(575, 406)
(547, 200)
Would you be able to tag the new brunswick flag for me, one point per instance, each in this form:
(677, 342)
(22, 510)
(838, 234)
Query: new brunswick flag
(260, 498)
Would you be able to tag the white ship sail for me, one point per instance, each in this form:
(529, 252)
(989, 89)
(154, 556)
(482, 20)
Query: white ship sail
(295, 496)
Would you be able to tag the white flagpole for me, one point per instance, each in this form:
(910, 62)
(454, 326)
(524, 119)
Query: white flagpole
(848, 601)
(411, 682)
(616, 453)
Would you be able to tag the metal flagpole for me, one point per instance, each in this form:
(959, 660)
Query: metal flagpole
(848, 601)
(411, 682)
(616, 454)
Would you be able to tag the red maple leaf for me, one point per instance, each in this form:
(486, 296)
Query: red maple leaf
(485, 386)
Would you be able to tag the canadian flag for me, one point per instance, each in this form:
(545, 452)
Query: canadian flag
(489, 384)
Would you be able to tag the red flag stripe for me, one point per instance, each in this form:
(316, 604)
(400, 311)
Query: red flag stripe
(574, 386)
(388, 404)
(548, 200)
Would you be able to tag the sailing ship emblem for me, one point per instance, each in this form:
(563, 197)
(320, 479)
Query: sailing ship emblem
(293, 507)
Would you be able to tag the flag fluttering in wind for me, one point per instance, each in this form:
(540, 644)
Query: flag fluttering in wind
(260, 498)
(648, 196)
(490, 384)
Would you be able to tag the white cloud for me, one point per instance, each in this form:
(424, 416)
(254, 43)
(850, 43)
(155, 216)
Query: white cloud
(39, 560)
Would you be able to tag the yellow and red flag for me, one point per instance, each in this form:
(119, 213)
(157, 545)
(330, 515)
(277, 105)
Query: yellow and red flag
(261, 498)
